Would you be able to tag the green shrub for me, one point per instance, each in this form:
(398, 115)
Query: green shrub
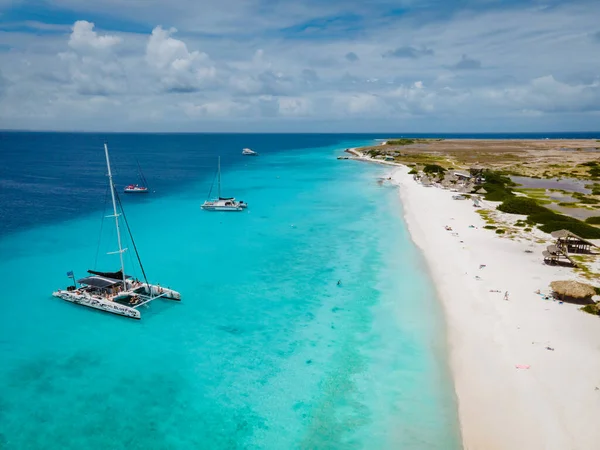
(433, 168)
(589, 201)
(521, 205)
(500, 231)
(527, 230)
(497, 178)
(547, 220)
(595, 171)
(589, 164)
(400, 142)
(579, 228)
(497, 193)
(591, 309)
(490, 227)
(413, 171)
(595, 220)
(550, 216)
(497, 186)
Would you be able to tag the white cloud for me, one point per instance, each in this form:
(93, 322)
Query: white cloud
(178, 69)
(221, 109)
(360, 104)
(295, 106)
(275, 75)
(84, 39)
(93, 67)
(547, 95)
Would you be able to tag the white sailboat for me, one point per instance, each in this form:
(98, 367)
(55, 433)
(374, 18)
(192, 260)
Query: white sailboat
(115, 292)
(222, 203)
(249, 152)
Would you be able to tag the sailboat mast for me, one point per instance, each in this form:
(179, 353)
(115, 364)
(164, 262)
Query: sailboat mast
(116, 215)
(219, 177)
(141, 174)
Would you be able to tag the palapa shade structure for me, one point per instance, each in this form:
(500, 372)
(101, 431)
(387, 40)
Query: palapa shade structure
(481, 191)
(573, 291)
(572, 243)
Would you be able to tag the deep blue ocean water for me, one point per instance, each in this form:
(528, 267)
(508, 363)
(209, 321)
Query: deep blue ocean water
(265, 350)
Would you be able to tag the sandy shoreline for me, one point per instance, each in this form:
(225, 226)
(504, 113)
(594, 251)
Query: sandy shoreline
(552, 404)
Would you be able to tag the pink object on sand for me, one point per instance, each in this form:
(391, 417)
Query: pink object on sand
(522, 366)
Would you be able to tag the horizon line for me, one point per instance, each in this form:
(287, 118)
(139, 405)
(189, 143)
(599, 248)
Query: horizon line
(17, 130)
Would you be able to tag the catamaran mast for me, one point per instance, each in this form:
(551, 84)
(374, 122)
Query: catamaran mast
(116, 215)
(219, 177)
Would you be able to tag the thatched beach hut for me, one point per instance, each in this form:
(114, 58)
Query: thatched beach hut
(572, 243)
(574, 291)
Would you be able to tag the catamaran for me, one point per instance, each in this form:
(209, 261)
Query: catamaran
(248, 152)
(115, 292)
(222, 203)
(136, 188)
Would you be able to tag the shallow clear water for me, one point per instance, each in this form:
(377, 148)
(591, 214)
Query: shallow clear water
(264, 351)
(565, 184)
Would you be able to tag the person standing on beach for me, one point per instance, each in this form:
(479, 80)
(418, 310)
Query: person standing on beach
(506, 295)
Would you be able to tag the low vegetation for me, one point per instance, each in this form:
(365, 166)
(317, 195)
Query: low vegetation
(593, 169)
(499, 188)
(591, 309)
(400, 142)
(407, 141)
(582, 198)
(583, 267)
(595, 220)
(433, 168)
(521, 205)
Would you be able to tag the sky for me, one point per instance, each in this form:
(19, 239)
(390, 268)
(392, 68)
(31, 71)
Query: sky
(300, 66)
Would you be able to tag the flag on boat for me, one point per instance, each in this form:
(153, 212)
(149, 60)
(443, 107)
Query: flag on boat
(70, 273)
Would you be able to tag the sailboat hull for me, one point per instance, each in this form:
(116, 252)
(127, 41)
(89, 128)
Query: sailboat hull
(80, 297)
(222, 208)
(99, 303)
(135, 190)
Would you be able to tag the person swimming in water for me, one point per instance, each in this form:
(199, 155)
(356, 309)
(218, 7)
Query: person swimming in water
(339, 283)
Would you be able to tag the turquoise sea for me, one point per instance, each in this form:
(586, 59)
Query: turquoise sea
(265, 351)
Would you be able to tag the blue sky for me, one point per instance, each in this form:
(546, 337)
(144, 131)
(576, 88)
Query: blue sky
(270, 65)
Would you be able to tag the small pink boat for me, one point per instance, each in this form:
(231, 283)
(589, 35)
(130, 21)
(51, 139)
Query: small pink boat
(135, 189)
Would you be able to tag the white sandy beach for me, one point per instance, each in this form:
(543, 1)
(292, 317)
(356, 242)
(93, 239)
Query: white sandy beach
(555, 403)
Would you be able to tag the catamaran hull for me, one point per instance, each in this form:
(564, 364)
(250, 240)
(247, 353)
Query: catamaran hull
(98, 303)
(135, 191)
(108, 306)
(222, 208)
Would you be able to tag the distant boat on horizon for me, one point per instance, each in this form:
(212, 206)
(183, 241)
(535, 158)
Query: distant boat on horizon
(137, 188)
(249, 152)
(222, 203)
